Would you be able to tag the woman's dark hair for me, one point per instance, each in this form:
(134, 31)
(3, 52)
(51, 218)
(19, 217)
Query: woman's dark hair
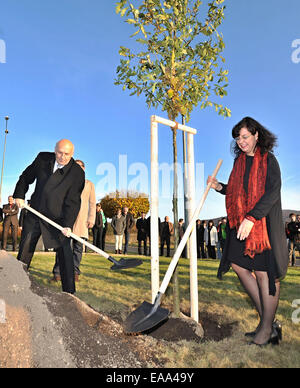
(266, 139)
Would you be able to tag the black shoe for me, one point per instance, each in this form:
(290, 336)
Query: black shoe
(273, 340)
(276, 326)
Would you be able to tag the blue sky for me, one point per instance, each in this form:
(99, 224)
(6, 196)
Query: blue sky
(58, 82)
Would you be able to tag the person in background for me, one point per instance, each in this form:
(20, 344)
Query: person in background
(219, 253)
(99, 227)
(84, 221)
(141, 226)
(167, 230)
(181, 230)
(10, 212)
(204, 251)
(118, 223)
(129, 225)
(293, 228)
(211, 239)
(222, 232)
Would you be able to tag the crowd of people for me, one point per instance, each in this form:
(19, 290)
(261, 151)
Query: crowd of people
(292, 229)
(211, 238)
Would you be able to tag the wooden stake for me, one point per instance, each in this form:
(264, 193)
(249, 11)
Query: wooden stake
(154, 210)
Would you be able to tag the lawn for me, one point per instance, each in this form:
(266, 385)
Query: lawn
(116, 293)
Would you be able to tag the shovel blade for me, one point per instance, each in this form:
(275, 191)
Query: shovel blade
(126, 263)
(145, 318)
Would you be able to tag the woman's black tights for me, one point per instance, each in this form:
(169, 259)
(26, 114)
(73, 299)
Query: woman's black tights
(257, 287)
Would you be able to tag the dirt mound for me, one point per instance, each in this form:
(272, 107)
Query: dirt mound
(177, 329)
(47, 329)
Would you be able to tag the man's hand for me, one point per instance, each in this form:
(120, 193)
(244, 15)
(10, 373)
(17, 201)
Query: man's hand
(20, 203)
(245, 229)
(66, 232)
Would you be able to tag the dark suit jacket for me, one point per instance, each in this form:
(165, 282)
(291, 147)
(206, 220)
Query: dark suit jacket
(57, 195)
(98, 220)
(129, 222)
(141, 226)
(11, 214)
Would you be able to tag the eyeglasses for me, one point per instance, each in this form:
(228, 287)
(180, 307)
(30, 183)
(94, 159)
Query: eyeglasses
(238, 139)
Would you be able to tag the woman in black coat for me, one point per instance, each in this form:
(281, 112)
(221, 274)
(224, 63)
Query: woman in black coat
(256, 238)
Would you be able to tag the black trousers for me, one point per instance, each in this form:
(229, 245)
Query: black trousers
(14, 234)
(98, 237)
(201, 250)
(127, 238)
(140, 246)
(31, 233)
(77, 249)
(163, 240)
(211, 251)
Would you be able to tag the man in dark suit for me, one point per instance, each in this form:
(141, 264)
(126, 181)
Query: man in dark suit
(129, 226)
(167, 230)
(141, 226)
(10, 212)
(59, 183)
(98, 227)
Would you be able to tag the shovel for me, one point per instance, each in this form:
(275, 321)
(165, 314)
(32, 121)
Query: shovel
(118, 265)
(148, 316)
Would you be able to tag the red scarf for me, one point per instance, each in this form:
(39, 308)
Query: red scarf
(238, 203)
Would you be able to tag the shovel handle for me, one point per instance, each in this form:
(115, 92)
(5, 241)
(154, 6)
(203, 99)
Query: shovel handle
(72, 235)
(186, 235)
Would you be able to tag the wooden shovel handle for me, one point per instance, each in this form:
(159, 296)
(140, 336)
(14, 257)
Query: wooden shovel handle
(72, 235)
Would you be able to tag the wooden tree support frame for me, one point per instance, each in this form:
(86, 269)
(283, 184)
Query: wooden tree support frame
(154, 202)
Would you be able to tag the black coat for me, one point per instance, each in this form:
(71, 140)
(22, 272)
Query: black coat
(98, 220)
(129, 222)
(141, 226)
(57, 195)
(268, 206)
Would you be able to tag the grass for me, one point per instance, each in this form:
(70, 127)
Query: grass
(115, 293)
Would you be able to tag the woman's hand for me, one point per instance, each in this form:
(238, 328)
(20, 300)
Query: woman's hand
(214, 183)
(245, 229)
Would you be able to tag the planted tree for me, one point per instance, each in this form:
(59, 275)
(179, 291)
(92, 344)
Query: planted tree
(176, 63)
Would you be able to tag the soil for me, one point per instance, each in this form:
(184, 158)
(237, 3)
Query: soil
(44, 328)
(175, 329)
